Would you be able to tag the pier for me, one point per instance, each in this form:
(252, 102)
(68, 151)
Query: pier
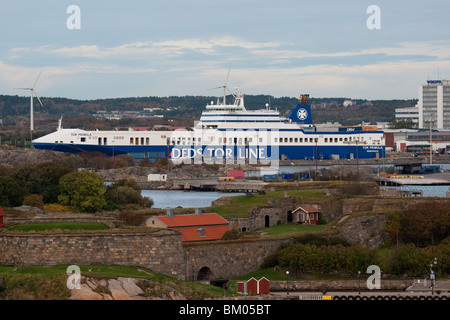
(212, 184)
(433, 179)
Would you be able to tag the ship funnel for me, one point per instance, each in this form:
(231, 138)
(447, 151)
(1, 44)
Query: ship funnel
(303, 99)
(302, 111)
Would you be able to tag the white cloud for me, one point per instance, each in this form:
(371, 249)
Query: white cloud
(259, 67)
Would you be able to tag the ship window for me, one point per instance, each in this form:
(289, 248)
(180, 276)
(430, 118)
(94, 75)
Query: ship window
(147, 141)
(300, 140)
(316, 140)
(296, 140)
(310, 139)
(83, 139)
(290, 139)
(275, 140)
(345, 139)
(325, 139)
(340, 139)
(142, 140)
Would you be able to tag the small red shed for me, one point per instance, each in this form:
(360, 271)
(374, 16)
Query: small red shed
(306, 214)
(2, 214)
(263, 286)
(252, 286)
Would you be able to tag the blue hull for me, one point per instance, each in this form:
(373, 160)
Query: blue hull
(217, 153)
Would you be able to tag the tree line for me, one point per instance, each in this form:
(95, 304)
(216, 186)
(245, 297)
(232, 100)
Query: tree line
(319, 255)
(186, 109)
(76, 190)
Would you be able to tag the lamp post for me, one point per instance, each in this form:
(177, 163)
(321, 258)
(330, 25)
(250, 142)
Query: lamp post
(432, 275)
(359, 282)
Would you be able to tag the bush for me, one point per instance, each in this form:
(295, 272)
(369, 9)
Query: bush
(33, 200)
(231, 235)
(130, 218)
(326, 258)
(55, 207)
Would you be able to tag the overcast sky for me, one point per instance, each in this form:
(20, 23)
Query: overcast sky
(281, 48)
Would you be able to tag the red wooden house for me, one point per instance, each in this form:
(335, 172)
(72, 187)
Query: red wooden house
(306, 214)
(2, 214)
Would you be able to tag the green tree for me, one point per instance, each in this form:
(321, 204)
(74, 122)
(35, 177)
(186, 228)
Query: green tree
(42, 179)
(82, 190)
(125, 192)
(11, 193)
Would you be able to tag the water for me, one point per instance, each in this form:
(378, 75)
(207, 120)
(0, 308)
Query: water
(174, 198)
(428, 191)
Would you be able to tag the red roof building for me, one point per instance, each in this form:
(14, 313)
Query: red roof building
(193, 227)
(2, 214)
(306, 214)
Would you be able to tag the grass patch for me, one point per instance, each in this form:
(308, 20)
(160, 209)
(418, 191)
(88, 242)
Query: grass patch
(49, 282)
(49, 226)
(292, 229)
(239, 206)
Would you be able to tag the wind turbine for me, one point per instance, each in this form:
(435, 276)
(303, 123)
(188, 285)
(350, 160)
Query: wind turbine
(32, 93)
(225, 88)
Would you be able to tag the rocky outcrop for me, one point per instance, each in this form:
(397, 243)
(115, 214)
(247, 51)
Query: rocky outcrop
(124, 289)
(14, 156)
(368, 230)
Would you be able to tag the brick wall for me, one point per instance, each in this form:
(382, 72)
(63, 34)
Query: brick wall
(160, 251)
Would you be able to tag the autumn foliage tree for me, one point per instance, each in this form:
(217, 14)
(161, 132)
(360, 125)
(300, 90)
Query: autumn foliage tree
(83, 191)
(421, 224)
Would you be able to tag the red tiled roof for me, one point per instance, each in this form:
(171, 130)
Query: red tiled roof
(190, 220)
(210, 233)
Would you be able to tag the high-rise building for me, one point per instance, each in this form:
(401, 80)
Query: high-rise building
(434, 104)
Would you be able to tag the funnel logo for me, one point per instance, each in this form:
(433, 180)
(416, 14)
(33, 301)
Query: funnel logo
(302, 114)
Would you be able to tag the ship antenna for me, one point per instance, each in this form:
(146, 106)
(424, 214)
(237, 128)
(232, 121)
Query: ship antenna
(60, 123)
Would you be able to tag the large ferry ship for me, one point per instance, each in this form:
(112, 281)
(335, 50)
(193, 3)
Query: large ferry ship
(228, 133)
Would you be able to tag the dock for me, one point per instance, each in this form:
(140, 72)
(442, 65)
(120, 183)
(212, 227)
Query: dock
(432, 179)
(212, 184)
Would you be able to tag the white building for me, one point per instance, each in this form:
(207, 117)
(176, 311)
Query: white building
(407, 114)
(157, 177)
(434, 105)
